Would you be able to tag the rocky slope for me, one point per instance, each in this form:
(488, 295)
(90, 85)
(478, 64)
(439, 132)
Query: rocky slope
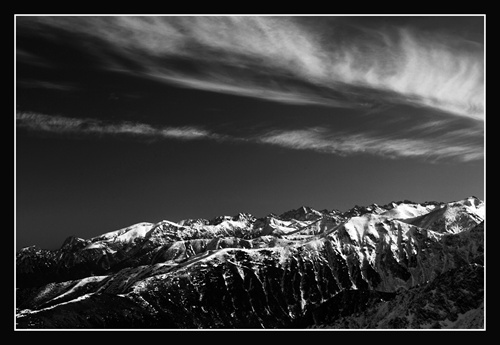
(303, 268)
(455, 299)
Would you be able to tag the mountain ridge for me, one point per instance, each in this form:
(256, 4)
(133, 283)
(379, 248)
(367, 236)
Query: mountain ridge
(269, 272)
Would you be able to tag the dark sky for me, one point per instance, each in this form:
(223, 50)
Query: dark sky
(121, 120)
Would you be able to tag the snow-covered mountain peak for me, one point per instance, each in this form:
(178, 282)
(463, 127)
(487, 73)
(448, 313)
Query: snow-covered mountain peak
(194, 222)
(125, 234)
(301, 213)
(471, 201)
(453, 217)
(404, 210)
(73, 242)
(361, 210)
(246, 217)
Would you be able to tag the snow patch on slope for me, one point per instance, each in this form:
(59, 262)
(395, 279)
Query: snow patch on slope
(80, 285)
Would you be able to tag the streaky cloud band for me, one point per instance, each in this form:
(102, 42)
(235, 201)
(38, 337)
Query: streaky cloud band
(87, 126)
(453, 146)
(349, 143)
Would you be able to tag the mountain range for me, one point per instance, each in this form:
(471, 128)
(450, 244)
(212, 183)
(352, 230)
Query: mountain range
(400, 265)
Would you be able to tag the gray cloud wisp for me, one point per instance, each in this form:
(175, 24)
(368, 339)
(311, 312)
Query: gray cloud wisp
(87, 126)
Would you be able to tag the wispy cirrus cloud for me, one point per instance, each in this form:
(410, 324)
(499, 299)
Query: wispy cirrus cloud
(456, 145)
(288, 60)
(295, 61)
(39, 84)
(451, 146)
(55, 124)
(32, 59)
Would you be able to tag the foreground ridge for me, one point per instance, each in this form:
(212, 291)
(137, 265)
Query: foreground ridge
(303, 268)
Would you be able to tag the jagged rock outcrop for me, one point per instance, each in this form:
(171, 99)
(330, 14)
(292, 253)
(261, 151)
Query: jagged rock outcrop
(243, 272)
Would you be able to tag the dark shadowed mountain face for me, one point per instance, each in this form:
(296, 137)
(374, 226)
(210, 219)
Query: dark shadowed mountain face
(401, 265)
